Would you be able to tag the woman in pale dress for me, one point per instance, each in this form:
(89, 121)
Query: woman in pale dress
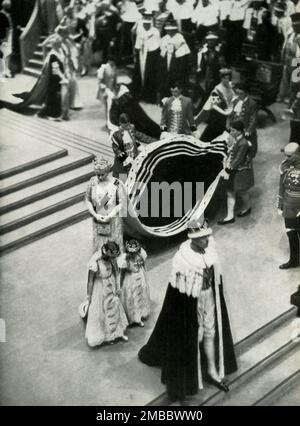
(106, 318)
(104, 197)
(135, 293)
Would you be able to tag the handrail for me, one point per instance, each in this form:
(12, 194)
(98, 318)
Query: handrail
(31, 35)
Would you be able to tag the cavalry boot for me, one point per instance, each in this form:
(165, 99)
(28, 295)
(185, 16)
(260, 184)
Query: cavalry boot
(294, 243)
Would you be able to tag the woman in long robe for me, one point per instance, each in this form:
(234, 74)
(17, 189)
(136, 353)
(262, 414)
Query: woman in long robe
(49, 87)
(106, 319)
(103, 199)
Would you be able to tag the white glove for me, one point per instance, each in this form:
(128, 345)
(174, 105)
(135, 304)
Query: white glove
(279, 212)
(224, 174)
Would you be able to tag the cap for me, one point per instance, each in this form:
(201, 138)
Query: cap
(211, 36)
(171, 25)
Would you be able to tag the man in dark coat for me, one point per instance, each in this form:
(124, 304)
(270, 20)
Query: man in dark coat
(177, 113)
(289, 201)
(193, 318)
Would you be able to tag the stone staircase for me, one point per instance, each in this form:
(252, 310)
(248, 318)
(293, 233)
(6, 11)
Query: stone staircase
(269, 366)
(45, 195)
(35, 64)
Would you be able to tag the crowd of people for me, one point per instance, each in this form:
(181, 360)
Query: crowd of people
(191, 58)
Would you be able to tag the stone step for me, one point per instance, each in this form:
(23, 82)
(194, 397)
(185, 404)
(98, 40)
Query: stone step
(32, 71)
(29, 213)
(35, 63)
(261, 358)
(253, 353)
(45, 189)
(38, 54)
(270, 377)
(285, 387)
(46, 131)
(22, 168)
(43, 227)
(41, 173)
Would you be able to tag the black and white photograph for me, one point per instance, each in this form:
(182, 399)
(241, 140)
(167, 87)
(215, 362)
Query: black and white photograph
(149, 204)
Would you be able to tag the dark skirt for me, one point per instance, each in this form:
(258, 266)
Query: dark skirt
(241, 180)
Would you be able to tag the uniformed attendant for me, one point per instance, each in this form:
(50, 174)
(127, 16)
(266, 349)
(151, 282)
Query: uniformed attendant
(177, 113)
(125, 143)
(244, 109)
(289, 201)
(238, 172)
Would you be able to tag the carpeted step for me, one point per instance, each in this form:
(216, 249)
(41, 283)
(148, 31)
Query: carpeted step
(41, 173)
(42, 227)
(35, 63)
(29, 213)
(48, 132)
(38, 54)
(284, 388)
(30, 165)
(32, 71)
(261, 364)
(45, 189)
(265, 381)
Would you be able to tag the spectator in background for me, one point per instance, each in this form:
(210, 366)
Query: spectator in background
(210, 59)
(235, 30)
(206, 18)
(174, 59)
(147, 49)
(268, 39)
(6, 37)
(291, 50)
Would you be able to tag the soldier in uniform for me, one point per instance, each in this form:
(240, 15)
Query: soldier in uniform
(289, 201)
(177, 113)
